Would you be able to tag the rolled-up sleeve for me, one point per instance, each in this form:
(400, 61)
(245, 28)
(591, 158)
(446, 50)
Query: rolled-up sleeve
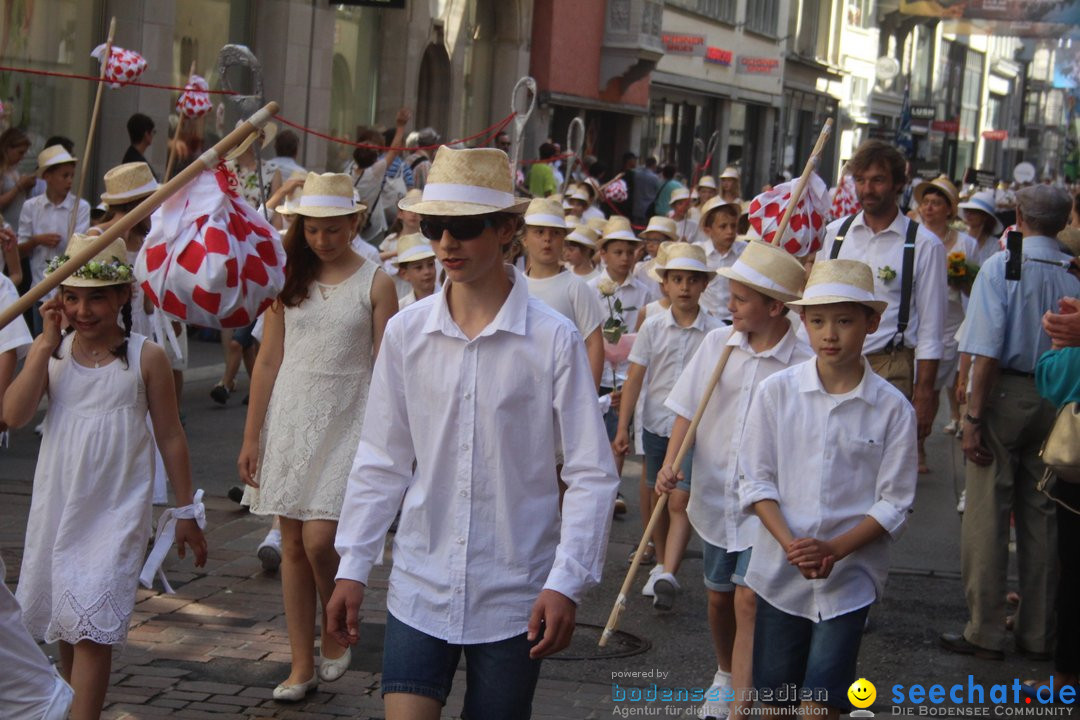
(588, 472)
(897, 477)
(382, 467)
(931, 299)
(758, 453)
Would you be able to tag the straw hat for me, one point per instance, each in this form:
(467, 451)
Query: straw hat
(572, 220)
(618, 228)
(707, 181)
(942, 184)
(269, 132)
(682, 256)
(679, 193)
(840, 281)
(545, 212)
(661, 257)
(769, 269)
(127, 182)
(597, 224)
(664, 225)
(583, 235)
(326, 195)
(108, 267)
(467, 182)
(412, 247)
(985, 201)
(713, 204)
(729, 173)
(580, 193)
(53, 155)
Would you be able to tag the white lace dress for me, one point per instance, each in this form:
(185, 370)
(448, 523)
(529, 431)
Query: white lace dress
(316, 410)
(90, 512)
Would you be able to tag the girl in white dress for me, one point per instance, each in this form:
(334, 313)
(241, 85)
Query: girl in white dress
(90, 512)
(308, 393)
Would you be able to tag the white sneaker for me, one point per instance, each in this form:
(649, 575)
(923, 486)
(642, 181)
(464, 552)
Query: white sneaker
(716, 708)
(647, 591)
(270, 551)
(665, 587)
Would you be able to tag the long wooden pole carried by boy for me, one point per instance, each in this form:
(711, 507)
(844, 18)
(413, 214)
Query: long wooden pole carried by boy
(176, 135)
(207, 161)
(93, 126)
(688, 441)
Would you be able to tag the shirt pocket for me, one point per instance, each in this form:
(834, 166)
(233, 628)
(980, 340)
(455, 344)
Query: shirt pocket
(863, 454)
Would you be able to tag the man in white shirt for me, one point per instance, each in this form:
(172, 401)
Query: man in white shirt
(479, 384)
(908, 264)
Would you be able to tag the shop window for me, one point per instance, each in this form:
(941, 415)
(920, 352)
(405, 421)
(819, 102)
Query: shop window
(860, 13)
(354, 76)
(722, 10)
(762, 16)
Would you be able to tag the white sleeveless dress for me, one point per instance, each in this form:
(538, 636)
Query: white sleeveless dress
(90, 514)
(316, 410)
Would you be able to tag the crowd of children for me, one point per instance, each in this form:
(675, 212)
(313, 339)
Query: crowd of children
(399, 382)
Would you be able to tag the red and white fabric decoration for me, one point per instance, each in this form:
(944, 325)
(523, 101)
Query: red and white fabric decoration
(194, 101)
(844, 200)
(806, 229)
(123, 66)
(616, 192)
(210, 259)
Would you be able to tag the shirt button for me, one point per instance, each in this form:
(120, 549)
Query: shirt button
(464, 493)
(461, 541)
(457, 590)
(468, 395)
(464, 446)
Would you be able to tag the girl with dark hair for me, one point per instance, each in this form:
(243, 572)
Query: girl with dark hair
(13, 186)
(308, 394)
(90, 510)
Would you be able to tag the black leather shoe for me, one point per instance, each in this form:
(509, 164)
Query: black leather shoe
(955, 642)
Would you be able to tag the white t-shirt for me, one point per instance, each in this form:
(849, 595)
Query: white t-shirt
(568, 295)
(15, 336)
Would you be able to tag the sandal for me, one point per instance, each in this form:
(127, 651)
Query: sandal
(647, 558)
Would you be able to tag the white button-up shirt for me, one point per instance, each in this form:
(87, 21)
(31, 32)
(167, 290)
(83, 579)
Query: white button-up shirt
(634, 294)
(829, 461)
(40, 216)
(664, 347)
(717, 295)
(926, 320)
(481, 531)
(714, 509)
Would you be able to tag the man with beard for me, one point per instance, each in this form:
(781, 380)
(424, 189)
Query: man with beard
(909, 272)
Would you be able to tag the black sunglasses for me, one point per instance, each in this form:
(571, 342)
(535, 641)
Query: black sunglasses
(464, 227)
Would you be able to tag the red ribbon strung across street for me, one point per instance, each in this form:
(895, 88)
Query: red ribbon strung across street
(94, 78)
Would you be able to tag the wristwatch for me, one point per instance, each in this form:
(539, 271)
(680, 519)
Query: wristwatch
(972, 420)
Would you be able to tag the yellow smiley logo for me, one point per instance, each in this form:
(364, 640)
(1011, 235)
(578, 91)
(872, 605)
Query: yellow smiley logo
(862, 693)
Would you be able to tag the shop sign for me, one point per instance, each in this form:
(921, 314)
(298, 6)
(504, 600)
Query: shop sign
(394, 4)
(718, 56)
(946, 126)
(1016, 143)
(682, 44)
(995, 134)
(762, 66)
(980, 178)
(923, 112)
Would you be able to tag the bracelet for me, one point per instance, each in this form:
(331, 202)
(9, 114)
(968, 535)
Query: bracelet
(972, 420)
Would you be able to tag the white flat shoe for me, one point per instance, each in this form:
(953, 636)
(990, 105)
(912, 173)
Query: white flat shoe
(295, 693)
(331, 670)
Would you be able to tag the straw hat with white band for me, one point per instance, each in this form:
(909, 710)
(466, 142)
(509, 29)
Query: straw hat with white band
(707, 181)
(580, 192)
(545, 212)
(597, 224)
(127, 183)
(467, 182)
(661, 256)
(714, 204)
(839, 281)
(618, 228)
(943, 185)
(679, 193)
(682, 256)
(52, 156)
(663, 225)
(985, 201)
(729, 173)
(770, 270)
(412, 248)
(326, 195)
(583, 235)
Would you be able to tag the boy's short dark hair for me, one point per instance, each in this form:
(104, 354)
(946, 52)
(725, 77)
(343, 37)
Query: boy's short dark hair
(365, 157)
(605, 245)
(64, 142)
(730, 210)
(882, 154)
(137, 126)
(547, 150)
(287, 144)
(668, 171)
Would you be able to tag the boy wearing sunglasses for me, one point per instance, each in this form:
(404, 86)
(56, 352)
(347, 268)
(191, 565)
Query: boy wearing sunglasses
(485, 563)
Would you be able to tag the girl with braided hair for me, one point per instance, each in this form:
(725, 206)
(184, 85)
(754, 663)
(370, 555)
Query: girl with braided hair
(90, 510)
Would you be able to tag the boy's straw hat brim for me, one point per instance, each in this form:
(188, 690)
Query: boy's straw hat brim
(729, 173)
(716, 203)
(545, 212)
(678, 195)
(707, 181)
(768, 269)
(52, 156)
(325, 195)
(840, 281)
(128, 182)
(682, 256)
(412, 248)
(115, 252)
(663, 225)
(943, 185)
(618, 228)
(269, 132)
(583, 235)
(467, 182)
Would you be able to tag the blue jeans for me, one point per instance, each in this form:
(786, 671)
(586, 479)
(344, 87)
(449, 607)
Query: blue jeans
(812, 655)
(500, 677)
(655, 450)
(723, 569)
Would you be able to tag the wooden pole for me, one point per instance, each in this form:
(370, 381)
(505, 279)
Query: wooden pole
(176, 135)
(688, 441)
(206, 161)
(93, 127)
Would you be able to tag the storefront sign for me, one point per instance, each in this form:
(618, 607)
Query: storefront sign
(718, 56)
(395, 4)
(995, 134)
(923, 112)
(762, 66)
(681, 44)
(980, 178)
(946, 126)
(1016, 143)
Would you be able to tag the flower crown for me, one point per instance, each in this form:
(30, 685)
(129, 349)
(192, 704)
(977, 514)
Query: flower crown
(115, 271)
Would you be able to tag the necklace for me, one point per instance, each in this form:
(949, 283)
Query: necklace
(93, 356)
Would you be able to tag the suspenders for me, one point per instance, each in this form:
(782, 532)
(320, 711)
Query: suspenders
(907, 274)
